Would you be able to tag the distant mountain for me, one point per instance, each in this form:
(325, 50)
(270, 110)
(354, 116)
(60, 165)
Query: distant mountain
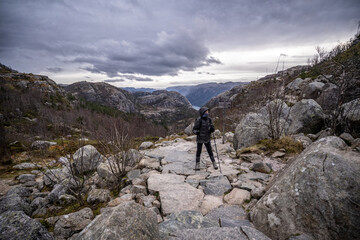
(200, 94)
(133, 90)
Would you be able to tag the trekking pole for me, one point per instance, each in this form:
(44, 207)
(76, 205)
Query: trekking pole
(217, 154)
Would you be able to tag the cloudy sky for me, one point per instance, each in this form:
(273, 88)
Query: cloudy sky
(158, 43)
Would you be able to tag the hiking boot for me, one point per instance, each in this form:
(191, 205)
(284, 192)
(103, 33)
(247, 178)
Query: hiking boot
(215, 165)
(197, 166)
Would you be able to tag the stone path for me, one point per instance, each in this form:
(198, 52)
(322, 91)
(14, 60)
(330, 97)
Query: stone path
(190, 199)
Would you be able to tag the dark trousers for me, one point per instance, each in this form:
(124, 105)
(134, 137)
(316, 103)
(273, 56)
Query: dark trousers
(208, 148)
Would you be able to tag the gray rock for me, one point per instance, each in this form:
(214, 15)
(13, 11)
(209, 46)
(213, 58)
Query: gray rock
(56, 192)
(38, 202)
(15, 202)
(98, 196)
(237, 196)
(125, 221)
(226, 222)
(186, 220)
(255, 176)
(349, 118)
(72, 223)
(328, 98)
(251, 157)
(67, 199)
(257, 192)
(261, 167)
(20, 191)
(146, 145)
(23, 178)
(22, 166)
(304, 140)
(312, 90)
(87, 158)
(306, 116)
(17, 225)
(315, 195)
(147, 201)
(133, 174)
(151, 163)
(38, 145)
(233, 212)
(250, 130)
(301, 237)
(55, 176)
(295, 85)
(107, 171)
(213, 233)
(229, 136)
(216, 185)
(136, 189)
(253, 233)
(134, 157)
(188, 129)
(347, 138)
(278, 154)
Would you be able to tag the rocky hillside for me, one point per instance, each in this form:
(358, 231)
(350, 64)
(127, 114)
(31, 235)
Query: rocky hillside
(104, 94)
(163, 106)
(198, 95)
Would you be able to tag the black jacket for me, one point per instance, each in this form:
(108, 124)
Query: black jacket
(203, 127)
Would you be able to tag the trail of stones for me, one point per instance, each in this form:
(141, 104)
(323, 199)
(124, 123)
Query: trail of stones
(193, 200)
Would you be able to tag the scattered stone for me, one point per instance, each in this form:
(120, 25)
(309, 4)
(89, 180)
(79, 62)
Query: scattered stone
(151, 163)
(278, 154)
(14, 202)
(210, 202)
(134, 157)
(349, 140)
(216, 185)
(67, 199)
(136, 189)
(188, 129)
(255, 176)
(38, 202)
(258, 192)
(261, 167)
(22, 166)
(146, 145)
(138, 181)
(98, 196)
(133, 174)
(87, 158)
(350, 117)
(38, 145)
(72, 223)
(23, 178)
(295, 85)
(105, 171)
(56, 192)
(17, 225)
(229, 136)
(305, 141)
(237, 196)
(127, 221)
(191, 138)
(55, 176)
(147, 200)
(253, 233)
(251, 157)
(158, 182)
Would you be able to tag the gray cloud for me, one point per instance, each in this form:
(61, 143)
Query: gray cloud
(114, 80)
(160, 37)
(54, 69)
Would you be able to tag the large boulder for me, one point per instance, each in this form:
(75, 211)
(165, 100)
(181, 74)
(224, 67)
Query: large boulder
(128, 220)
(306, 116)
(16, 200)
(329, 97)
(87, 158)
(38, 144)
(251, 130)
(312, 90)
(16, 225)
(133, 157)
(72, 223)
(217, 185)
(188, 129)
(350, 117)
(315, 195)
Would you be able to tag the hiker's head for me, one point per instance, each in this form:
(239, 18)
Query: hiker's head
(203, 110)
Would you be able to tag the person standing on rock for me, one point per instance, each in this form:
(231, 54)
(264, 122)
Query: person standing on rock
(203, 128)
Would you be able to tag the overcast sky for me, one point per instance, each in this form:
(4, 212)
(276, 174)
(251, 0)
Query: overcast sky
(158, 43)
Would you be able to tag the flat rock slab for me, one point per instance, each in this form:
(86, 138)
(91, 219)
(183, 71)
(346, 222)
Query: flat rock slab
(180, 197)
(158, 182)
(255, 176)
(213, 233)
(216, 185)
(182, 168)
(232, 212)
(186, 220)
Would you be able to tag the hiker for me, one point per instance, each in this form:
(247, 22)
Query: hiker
(203, 127)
